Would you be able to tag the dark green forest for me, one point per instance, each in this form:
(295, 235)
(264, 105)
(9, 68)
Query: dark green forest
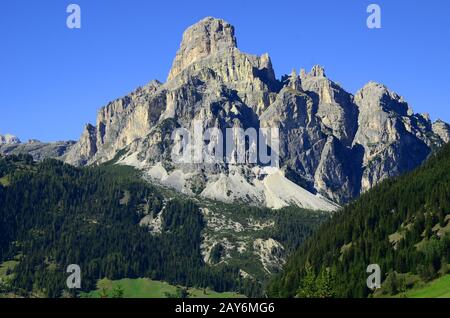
(53, 215)
(402, 224)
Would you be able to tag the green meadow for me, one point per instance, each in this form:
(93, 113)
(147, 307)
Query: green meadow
(147, 288)
(439, 288)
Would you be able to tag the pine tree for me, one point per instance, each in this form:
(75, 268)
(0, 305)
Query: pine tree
(325, 284)
(308, 288)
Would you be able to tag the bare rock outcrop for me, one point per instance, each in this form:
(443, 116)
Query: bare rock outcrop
(442, 129)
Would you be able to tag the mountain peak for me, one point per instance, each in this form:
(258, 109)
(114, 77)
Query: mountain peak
(208, 36)
(378, 96)
(378, 90)
(375, 85)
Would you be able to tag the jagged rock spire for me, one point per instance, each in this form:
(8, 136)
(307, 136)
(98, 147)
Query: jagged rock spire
(317, 71)
(294, 81)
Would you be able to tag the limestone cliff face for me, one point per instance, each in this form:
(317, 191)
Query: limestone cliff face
(442, 129)
(208, 53)
(335, 106)
(318, 121)
(332, 143)
(393, 138)
(118, 124)
(86, 147)
(207, 37)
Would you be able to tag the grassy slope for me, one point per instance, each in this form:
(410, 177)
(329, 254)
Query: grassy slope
(439, 288)
(147, 288)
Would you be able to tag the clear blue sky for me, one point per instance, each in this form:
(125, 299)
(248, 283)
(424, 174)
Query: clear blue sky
(53, 79)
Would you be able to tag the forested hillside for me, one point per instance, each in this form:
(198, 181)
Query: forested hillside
(53, 215)
(403, 225)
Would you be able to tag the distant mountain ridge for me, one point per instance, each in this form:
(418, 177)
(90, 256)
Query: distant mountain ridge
(332, 144)
(11, 145)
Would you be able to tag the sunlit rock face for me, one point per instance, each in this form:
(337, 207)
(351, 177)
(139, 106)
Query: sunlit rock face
(393, 138)
(332, 144)
(205, 38)
(442, 129)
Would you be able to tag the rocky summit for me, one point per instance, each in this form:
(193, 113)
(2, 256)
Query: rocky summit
(333, 145)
